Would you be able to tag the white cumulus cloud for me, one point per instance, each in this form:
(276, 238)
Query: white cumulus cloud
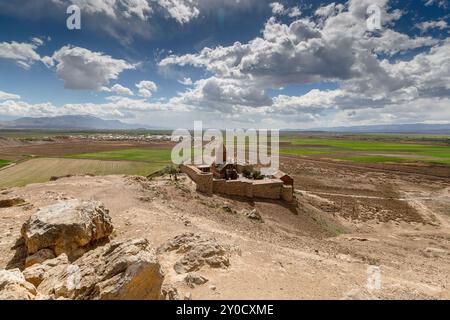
(24, 54)
(119, 89)
(334, 45)
(82, 69)
(146, 88)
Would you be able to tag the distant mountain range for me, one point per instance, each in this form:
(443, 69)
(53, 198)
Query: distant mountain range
(68, 123)
(85, 122)
(391, 128)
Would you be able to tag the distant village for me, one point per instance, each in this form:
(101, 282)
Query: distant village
(121, 137)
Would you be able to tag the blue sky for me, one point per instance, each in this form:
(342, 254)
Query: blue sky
(246, 63)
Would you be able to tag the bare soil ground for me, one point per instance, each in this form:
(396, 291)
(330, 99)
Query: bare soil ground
(359, 193)
(318, 248)
(435, 170)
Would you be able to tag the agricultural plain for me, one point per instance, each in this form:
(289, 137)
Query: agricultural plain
(39, 155)
(43, 169)
(371, 148)
(361, 200)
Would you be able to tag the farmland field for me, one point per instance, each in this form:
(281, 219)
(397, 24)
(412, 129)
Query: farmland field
(42, 169)
(369, 149)
(146, 155)
(38, 158)
(4, 163)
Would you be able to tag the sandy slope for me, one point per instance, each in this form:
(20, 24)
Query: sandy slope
(298, 252)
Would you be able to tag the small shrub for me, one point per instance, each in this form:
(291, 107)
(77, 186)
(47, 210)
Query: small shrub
(257, 175)
(172, 171)
(252, 174)
(247, 173)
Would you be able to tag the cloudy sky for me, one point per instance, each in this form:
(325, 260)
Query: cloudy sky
(231, 63)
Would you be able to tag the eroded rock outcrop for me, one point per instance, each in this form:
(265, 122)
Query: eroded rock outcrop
(120, 270)
(39, 257)
(13, 286)
(193, 279)
(67, 227)
(40, 271)
(67, 258)
(197, 250)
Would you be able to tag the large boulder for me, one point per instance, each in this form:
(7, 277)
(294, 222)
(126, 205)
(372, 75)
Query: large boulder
(13, 286)
(116, 271)
(67, 227)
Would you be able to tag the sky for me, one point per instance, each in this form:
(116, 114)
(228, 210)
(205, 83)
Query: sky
(229, 63)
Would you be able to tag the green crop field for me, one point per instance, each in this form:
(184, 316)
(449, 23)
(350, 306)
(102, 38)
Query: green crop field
(372, 159)
(305, 151)
(42, 169)
(4, 163)
(145, 155)
(129, 161)
(367, 149)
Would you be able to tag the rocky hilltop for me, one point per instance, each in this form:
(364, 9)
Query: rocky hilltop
(122, 237)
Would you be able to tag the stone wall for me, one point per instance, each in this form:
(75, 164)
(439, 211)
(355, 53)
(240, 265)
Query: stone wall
(233, 188)
(264, 189)
(287, 193)
(267, 189)
(204, 181)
